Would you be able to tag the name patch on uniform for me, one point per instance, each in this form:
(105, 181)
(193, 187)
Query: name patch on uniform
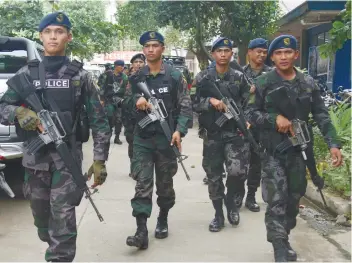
(161, 90)
(54, 83)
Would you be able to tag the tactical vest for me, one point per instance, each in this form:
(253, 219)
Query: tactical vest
(161, 87)
(299, 90)
(65, 89)
(108, 91)
(229, 89)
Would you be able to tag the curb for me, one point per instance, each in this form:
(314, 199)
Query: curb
(336, 204)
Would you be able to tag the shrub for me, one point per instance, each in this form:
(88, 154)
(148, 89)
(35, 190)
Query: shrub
(338, 179)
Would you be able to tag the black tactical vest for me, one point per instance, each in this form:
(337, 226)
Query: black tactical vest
(161, 87)
(299, 91)
(229, 89)
(64, 88)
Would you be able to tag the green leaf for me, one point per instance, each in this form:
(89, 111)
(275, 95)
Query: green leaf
(337, 24)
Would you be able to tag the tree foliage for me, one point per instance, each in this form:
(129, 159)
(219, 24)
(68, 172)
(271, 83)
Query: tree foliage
(19, 18)
(245, 20)
(91, 34)
(340, 32)
(136, 17)
(202, 21)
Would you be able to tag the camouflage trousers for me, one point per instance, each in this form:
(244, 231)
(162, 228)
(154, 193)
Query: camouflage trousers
(115, 121)
(235, 154)
(254, 173)
(53, 196)
(283, 184)
(129, 139)
(148, 154)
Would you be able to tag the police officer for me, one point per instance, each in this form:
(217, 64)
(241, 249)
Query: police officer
(226, 143)
(257, 54)
(128, 107)
(284, 172)
(112, 89)
(201, 131)
(150, 146)
(48, 183)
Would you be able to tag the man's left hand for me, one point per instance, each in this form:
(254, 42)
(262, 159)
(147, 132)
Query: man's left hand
(176, 139)
(336, 157)
(252, 90)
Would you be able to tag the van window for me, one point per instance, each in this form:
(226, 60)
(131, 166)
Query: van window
(12, 61)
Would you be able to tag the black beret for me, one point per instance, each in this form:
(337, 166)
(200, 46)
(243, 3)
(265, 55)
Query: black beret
(56, 18)
(139, 55)
(149, 36)
(258, 42)
(283, 41)
(221, 42)
(119, 62)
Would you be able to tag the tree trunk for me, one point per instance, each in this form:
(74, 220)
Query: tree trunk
(199, 36)
(202, 59)
(242, 53)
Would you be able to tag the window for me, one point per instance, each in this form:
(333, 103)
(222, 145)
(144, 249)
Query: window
(12, 61)
(321, 39)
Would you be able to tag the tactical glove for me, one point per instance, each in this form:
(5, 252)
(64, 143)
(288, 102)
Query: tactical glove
(99, 170)
(27, 119)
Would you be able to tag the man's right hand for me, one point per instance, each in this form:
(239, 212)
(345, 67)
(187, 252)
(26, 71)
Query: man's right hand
(283, 125)
(27, 119)
(218, 104)
(142, 104)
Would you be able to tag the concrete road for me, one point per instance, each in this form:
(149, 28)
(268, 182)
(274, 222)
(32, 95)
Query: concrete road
(189, 238)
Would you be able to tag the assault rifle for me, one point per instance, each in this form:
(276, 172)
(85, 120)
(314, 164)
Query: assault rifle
(50, 132)
(158, 113)
(232, 112)
(301, 137)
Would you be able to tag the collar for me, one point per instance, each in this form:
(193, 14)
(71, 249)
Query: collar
(146, 70)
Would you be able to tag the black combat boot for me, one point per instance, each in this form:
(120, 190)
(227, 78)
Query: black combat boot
(251, 203)
(161, 230)
(219, 221)
(280, 250)
(291, 254)
(140, 239)
(117, 140)
(233, 214)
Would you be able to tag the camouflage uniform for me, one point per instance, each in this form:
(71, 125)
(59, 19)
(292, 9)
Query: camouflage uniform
(225, 144)
(113, 86)
(151, 148)
(253, 181)
(284, 175)
(48, 184)
(128, 120)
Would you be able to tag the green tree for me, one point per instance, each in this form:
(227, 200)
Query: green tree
(20, 18)
(245, 20)
(339, 34)
(91, 34)
(136, 17)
